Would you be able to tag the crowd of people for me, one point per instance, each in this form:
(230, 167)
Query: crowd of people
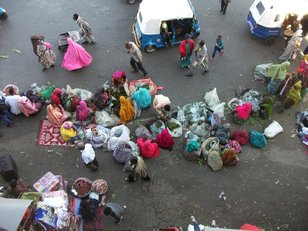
(72, 112)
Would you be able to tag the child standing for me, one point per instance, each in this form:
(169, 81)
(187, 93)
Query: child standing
(219, 46)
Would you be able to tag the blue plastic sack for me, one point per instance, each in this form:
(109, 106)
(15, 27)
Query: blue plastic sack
(142, 98)
(257, 139)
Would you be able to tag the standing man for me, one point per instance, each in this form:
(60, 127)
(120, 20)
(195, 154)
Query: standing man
(85, 30)
(224, 5)
(136, 58)
(186, 49)
(201, 56)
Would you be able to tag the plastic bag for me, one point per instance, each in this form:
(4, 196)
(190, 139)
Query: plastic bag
(181, 116)
(273, 129)
(174, 127)
(157, 127)
(257, 139)
(219, 109)
(210, 144)
(143, 132)
(214, 160)
(195, 112)
(260, 72)
(211, 98)
(84, 95)
(105, 119)
(201, 130)
(134, 147)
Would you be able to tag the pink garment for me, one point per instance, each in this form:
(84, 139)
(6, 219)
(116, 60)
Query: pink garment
(243, 110)
(250, 227)
(148, 149)
(48, 45)
(164, 139)
(118, 75)
(27, 107)
(56, 114)
(82, 111)
(75, 57)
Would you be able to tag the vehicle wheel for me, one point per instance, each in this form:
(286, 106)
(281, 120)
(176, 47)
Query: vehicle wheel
(3, 16)
(131, 1)
(269, 41)
(150, 49)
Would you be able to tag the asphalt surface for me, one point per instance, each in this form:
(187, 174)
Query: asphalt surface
(268, 187)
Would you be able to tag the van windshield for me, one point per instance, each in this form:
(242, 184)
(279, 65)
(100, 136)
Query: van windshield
(260, 8)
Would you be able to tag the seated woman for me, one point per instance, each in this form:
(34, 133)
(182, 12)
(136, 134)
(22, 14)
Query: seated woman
(119, 88)
(27, 107)
(293, 97)
(56, 96)
(302, 71)
(68, 132)
(56, 114)
(101, 98)
(83, 113)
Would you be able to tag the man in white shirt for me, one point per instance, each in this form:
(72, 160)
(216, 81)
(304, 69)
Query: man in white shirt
(12, 101)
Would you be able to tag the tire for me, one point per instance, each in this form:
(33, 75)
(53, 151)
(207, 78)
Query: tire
(131, 1)
(3, 16)
(269, 41)
(150, 49)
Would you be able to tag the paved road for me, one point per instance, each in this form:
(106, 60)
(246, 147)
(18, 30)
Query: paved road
(268, 187)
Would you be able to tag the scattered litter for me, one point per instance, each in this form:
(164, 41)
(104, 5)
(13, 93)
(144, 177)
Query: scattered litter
(293, 135)
(277, 182)
(223, 196)
(50, 151)
(113, 196)
(22, 152)
(17, 51)
(4, 56)
(77, 165)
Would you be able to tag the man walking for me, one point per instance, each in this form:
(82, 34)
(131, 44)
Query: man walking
(136, 58)
(85, 30)
(224, 5)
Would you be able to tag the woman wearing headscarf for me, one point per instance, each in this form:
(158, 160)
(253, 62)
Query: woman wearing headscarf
(127, 110)
(119, 88)
(82, 111)
(56, 96)
(186, 49)
(293, 97)
(56, 114)
(27, 107)
(76, 56)
(47, 57)
(277, 73)
(67, 131)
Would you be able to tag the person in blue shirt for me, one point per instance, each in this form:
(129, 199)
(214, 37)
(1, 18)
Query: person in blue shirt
(219, 46)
